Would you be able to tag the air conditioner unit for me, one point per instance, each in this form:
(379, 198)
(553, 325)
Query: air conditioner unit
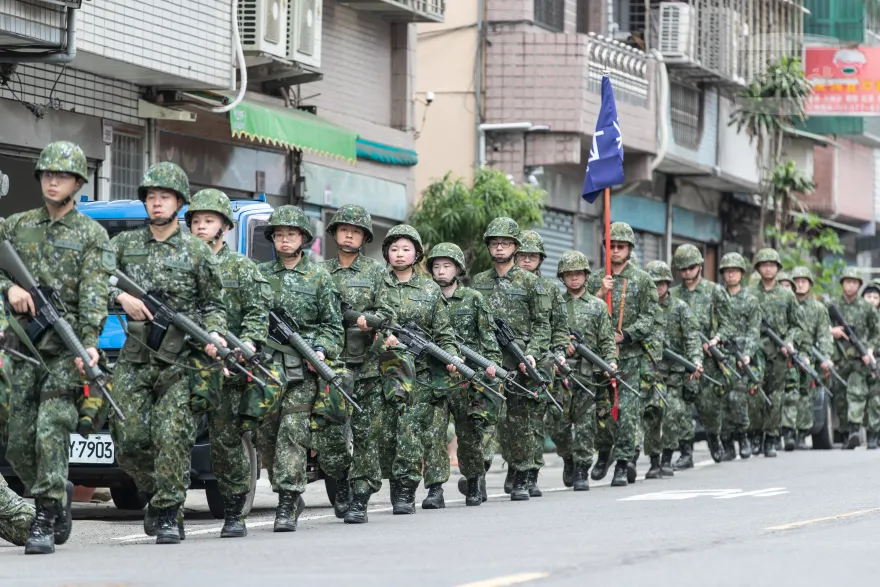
(262, 26)
(724, 26)
(304, 39)
(676, 32)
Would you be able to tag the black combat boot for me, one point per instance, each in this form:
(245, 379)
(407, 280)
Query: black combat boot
(600, 469)
(434, 501)
(619, 478)
(42, 536)
(568, 471)
(872, 444)
(342, 500)
(728, 448)
(520, 489)
(716, 450)
(769, 446)
(532, 480)
(581, 480)
(508, 480)
(462, 485)
(654, 469)
(745, 447)
(853, 440)
(788, 439)
(631, 470)
(290, 506)
(168, 531)
(802, 440)
(777, 442)
(406, 498)
(757, 443)
(686, 460)
(666, 468)
(64, 521)
(357, 509)
(233, 524)
(483, 492)
(151, 518)
(474, 493)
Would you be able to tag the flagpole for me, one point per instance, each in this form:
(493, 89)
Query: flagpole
(608, 243)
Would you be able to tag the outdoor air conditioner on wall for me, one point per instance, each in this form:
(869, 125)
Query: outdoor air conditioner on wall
(676, 34)
(263, 26)
(724, 26)
(304, 26)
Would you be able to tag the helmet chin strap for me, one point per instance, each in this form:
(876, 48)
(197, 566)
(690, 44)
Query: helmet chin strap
(348, 249)
(445, 282)
(503, 260)
(56, 203)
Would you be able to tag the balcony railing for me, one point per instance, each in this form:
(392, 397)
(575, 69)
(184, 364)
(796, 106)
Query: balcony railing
(626, 66)
(402, 10)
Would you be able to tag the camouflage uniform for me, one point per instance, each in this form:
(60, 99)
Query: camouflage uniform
(780, 308)
(16, 515)
(680, 336)
(638, 325)
(574, 432)
(860, 400)
(710, 304)
(158, 391)
(72, 257)
(519, 298)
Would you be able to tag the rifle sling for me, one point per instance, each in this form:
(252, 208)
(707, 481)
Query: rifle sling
(622, 307)
(281, 348)
(20, 333)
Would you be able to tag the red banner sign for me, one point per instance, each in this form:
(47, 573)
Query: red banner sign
(845, 80)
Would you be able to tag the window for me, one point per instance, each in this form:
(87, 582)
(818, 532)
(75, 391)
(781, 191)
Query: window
(686, 111)
(260, 249)
(550, 14)
(582, 16)
(127, 166)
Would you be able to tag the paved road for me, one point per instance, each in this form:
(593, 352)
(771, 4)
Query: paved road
(805, 517)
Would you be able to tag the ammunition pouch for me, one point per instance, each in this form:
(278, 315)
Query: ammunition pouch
(136, 351)
(48, 343)
(293, 367)
(357, 342)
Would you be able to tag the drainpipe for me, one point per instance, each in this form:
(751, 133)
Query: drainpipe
(478, 90)
(835, 178)
(68, 56)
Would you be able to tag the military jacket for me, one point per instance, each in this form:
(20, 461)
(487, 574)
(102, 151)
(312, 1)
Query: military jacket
(680, 333)
(818, 325)
(71, 256)
(863, 319)
(246, 296)
(589, 316)
(745, 318)
(782, 311)
(711, 305)
(472, 322)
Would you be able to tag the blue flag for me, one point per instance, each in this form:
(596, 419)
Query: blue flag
(605, 165)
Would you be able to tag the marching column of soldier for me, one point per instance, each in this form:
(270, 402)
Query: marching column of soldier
(366, 362)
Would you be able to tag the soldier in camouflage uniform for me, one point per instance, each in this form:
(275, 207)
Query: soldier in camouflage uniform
(518, 297)
(745, 319)
(68, 253)
(530, 256)
(710, 304)
(818, 333)
(16, 516)
(306, 419)
(780, 309)
(680, 336)
(161, 392)
(871, 293)
(359, 280)
(633, 316)
(473, 408)
(860, 400)
(246, 296)
(419, 301)
(574, 432)
(784, 279)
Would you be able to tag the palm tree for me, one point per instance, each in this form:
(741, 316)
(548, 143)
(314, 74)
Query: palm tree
(785, 182)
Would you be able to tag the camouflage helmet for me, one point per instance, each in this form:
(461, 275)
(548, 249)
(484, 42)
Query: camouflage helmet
(623, 232)
(63, 156)
(659, 271)
(734, 261)
(210, 200)
(873, 285)
(354, 215)
(687, 255)
(767, 255)
(448, 251)
(572, 261)
(784, 276)
(290, 216)
(403, 231)
(165, 175)
(802, 272)
(532, 242)
(852, 273)
(503, 227)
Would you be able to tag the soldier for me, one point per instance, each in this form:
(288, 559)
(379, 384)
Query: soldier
(16, 515)
(518, 297)
(417, 300)
(574, 432)
(359, 280)
(745, 318)
(633, 315)
(780, 309)
(871, 293)
(819, 334)
(473, 408)
(162, 392)
(305, 290)
(860, 400)
(680, 336)
(784, 279)
(710, 304)
(69, 254)
(246, 295)
(529, 257)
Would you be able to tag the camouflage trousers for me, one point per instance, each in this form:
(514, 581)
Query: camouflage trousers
(809, 394)
(621, 438)
(677, 418)
(573, 431)
(862, 396)
(400, 442)
(434, 439)
(654, 409)
(229, 461)
(710, 400)
(521, 430)
(780, 383)
(16, 515)
(43, 414)
(793, 400)
(154, 443)
(365, 473)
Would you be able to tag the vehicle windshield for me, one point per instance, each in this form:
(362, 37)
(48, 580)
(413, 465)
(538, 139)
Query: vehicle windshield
(114, 226)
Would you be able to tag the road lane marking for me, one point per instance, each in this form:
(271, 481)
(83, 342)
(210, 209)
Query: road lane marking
(507, 580)
(825, 519)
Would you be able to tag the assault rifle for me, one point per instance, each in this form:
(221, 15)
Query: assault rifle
(690, 367)
(858, 343)
(820, 358)
(283, 330)
(568, 373)
(795, 356)
(587, 353)
(46, 316)
(507, 340)
(718, 356)
(741, 360)
(251, 358)
(507, 377)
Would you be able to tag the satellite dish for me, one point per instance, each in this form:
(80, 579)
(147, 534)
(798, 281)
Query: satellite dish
(4, 184)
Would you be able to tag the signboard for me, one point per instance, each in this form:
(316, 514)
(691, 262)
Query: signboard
(845, 80)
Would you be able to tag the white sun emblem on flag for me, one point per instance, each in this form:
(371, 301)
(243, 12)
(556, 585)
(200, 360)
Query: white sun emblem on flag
(619, 138)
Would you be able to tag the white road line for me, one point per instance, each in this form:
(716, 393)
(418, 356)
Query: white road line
(825, 519)
(507, 580)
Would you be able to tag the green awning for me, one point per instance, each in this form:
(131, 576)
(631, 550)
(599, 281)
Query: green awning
(293, 129)
(385, 153)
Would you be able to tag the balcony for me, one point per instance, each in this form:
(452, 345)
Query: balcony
(402, 10)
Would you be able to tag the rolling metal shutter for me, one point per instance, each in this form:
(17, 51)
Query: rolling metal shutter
(558, 235)
(648, 247)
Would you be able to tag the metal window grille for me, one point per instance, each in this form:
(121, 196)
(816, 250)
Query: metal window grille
(127, 166)
(686, 106)
(550, 14)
